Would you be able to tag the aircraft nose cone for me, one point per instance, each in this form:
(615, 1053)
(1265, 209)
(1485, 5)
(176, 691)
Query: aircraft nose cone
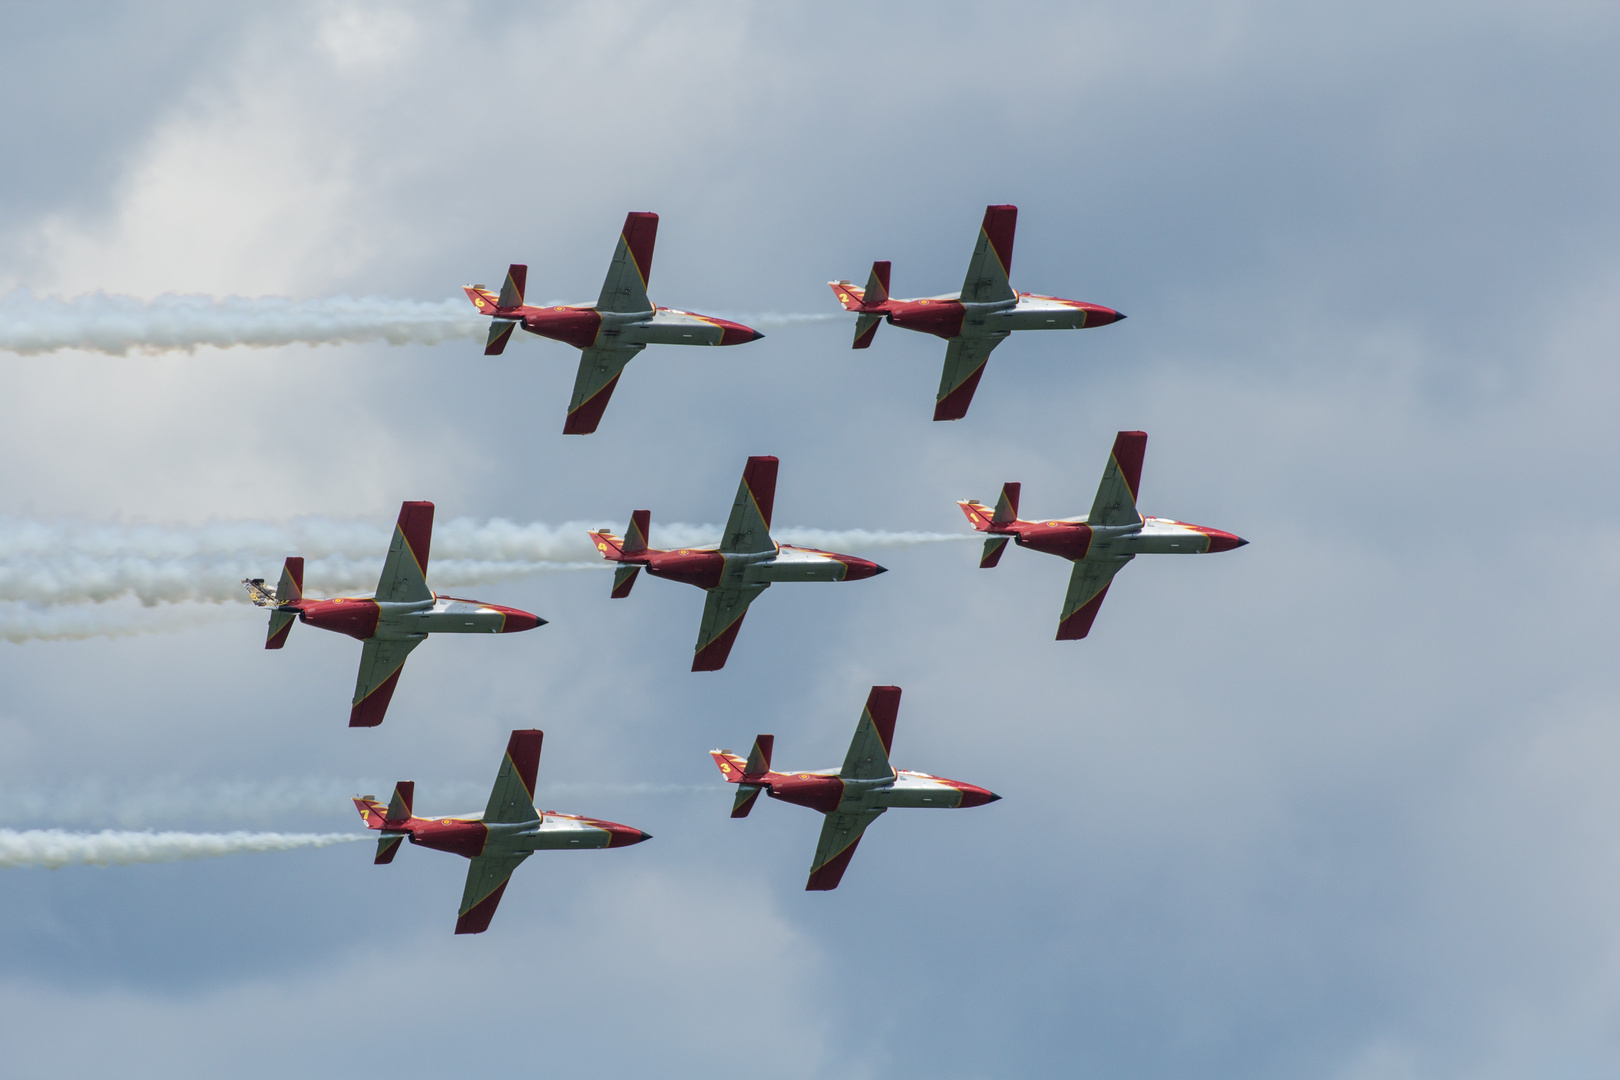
(856, 569)
(994, 797)
(518, 621)
(1223, 541)
(973, 795)
(624, 835)
(758, 335)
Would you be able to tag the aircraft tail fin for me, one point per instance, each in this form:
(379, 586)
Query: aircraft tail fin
(623, 550)
(399, 807)
(746, 774)
(759, 758)
(635, 537)
(288, 589)
(851, 297)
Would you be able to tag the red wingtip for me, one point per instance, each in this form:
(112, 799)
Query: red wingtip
(712, 657)
(760, 476)
(1129, 449)
(476, 921)
(954, 405)
(1000, 223)
(369, 712)
(883, 705)
(1078, 625)
(640, 234)
(416, 522)
(826, 877)
(523, 748)
(583, 420)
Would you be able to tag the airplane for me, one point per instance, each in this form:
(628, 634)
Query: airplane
(744, 564)
(851, 797)
(508, 831)
(391, 622)
(974, 320)
(1099, 543)
(608, 333)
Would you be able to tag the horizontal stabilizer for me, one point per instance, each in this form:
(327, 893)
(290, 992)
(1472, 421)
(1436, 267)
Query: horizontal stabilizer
(500, 332)
(387, 848)
(747, 796)
(399, 807)
(1007, 506)
(993, 548)
(624, 579)
(866, 330)
(517, 276)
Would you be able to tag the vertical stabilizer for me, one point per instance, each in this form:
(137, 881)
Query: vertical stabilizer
(1007, 506)
(517, 275)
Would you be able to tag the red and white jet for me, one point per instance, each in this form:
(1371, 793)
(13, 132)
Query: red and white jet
(508, 831)
(852, 797)
(744, 565)
(609, 333)
(1098, 543)
(974, 320)
(391, 622)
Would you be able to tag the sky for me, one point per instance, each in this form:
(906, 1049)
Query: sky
(1338, 804)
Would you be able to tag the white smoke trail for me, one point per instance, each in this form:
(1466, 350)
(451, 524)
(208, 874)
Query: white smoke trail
(53, 848)
(118, 325)
(144, 802)
(105, 323)
(76, 562)
(121, 618)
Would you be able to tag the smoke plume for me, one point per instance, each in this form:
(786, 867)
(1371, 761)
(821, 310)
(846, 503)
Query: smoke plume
(53, 848)
(118, 325)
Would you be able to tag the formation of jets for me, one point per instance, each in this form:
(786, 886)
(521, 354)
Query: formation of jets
(403, 611)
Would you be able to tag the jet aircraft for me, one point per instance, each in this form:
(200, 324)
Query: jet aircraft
(609, 333)
(393, 621)
(975, 320)
(1099, 543)
(851, 797)
(744, 565)
(508, 831)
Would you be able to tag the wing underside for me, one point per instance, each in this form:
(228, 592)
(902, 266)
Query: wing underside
(964, 364)
(486, 881)
(1088, 585)
(380, 665)
(723, 611)
(840, 832)
(599, 370)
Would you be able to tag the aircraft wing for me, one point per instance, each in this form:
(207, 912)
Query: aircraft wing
(404, 574)
(723, 611)
(1115, 503)
(992, 257)
(964, 363)
(486, 881)
(868, 757)
(625, 288)
(512, 797)
(380, 665)
(1088, 584)
(748, 528)
(599, 370)
(840, 832)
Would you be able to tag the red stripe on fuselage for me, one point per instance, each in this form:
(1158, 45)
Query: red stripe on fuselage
(576, 326)
(700, 568)
(1067, 540)
(822, 793)
(356, 618)
(942, 318)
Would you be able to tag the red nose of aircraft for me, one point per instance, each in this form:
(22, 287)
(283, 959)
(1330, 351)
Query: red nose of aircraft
(623, 835)
(1097, 315)
(1223, 541)
(736, 333)
(973, 795)
(856, 569)
(517, 621)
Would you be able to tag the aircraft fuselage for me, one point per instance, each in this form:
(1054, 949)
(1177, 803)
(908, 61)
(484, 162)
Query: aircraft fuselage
(367, 619)
(470, 837)
(583, 327)
(949, 317)
(1073, 538)
(826, 791)
(711, 569)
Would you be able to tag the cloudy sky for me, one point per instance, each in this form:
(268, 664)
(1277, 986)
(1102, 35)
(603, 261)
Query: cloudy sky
(1339, 804)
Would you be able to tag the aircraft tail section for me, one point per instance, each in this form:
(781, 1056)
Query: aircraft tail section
(866, 330)
(1116, 495)
(635, 537)
(517, 277)
(289, 589)
(848, 295)
(746, 774)
(623, 549)
(1007, 506)
(877, 285)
